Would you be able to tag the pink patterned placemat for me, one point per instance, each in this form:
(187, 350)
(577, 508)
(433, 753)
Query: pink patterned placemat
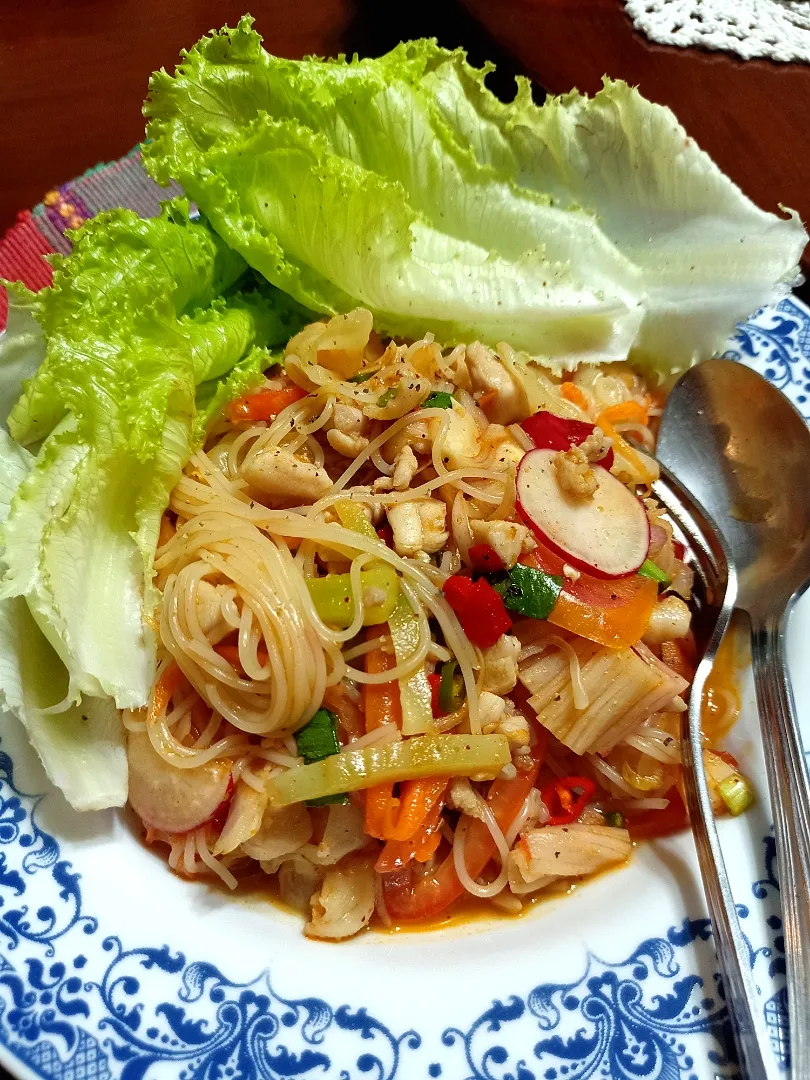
(39, 232)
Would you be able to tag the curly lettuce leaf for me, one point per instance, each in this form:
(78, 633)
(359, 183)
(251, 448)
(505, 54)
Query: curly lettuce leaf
(141, 313)
(580, 230)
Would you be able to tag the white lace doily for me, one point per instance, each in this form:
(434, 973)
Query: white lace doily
(776, 29)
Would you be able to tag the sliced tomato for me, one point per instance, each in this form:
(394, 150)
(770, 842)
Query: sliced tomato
(613, 613)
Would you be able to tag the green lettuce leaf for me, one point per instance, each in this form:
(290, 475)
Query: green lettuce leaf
(581, 230)
(81, 747)
(139, 316)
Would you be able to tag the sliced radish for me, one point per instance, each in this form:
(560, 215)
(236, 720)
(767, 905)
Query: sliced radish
(169, 799)
(607, 534)
(551, 432)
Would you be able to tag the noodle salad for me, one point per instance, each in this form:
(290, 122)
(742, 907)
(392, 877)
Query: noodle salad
(327, 541)
(384, 679)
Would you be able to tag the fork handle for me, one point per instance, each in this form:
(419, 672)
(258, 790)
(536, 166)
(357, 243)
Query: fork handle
(790, 803)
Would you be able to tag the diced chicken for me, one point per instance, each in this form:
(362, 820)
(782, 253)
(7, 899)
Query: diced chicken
(462, 442)
(209, 611)
(280, 474)
(419, 525)
(500, 665)
(416, 435)
(405, 469)
(345, 902)
(574, 473)
(347, 445)
(463, 798)
(488, 374)
(348, 419)
(491, 710)
(506, 538)
(669, 619)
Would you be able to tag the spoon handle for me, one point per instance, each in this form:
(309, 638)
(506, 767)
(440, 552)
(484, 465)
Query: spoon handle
(790, 803)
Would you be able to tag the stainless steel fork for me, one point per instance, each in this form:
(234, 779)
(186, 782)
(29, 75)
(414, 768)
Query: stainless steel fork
(718, 589)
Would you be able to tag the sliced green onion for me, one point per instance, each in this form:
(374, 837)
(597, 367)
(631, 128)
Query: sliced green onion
(438, 400)
(451, 688)
(737, 793)
(529, 591)
(363, 376)
(615, 819)
(319, 738)
(387, 396)
(649, 569)
(410, 759)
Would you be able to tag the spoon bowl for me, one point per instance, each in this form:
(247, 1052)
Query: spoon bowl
(743, 451)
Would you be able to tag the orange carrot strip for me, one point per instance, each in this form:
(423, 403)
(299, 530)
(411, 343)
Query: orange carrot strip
(382, 706)
(168, 684)
(398, 853)
(571, 392)
(417, 799)
(626, 411)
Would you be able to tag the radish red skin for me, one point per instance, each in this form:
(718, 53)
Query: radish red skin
(551, 432)
(632, 529)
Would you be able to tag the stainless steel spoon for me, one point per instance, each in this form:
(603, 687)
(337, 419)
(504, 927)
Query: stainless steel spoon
(743, 451)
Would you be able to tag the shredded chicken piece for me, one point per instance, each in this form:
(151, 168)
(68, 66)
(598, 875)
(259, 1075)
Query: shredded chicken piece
(463, 798)
(506, 538)
(491, 709)
(347, 445)
(279, 473)
(501, 665)
(348, 419)
(209, 611)
(405, 469)
(574, 473)
(419, 525)
(489, 375)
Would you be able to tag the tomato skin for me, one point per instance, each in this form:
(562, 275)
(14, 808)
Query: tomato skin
(407, 901)
(649, 824)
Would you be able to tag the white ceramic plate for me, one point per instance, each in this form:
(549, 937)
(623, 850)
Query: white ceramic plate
(112, 967)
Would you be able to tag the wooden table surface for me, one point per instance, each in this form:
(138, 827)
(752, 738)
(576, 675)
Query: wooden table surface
(74, 76)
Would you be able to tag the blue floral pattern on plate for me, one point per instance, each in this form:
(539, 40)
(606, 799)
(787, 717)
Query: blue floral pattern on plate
(776, 343)
(78, 1002)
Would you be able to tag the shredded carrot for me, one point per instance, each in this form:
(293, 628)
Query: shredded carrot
(382, 706)
(398, 853)
(571, 392)
(620, 445)
(626, 411)
(488, 398)
(167, 685)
